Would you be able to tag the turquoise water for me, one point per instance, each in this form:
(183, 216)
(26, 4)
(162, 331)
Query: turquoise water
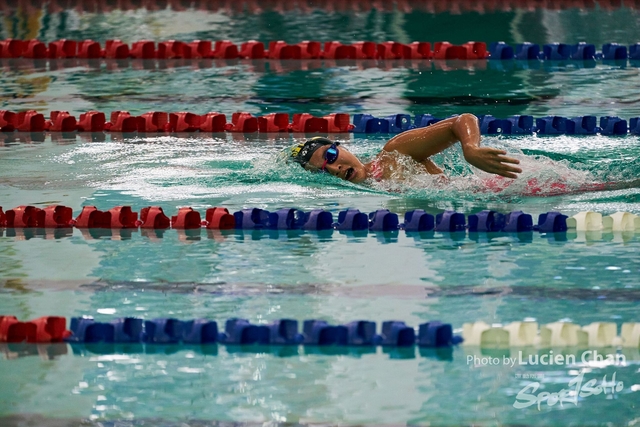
(339, 277)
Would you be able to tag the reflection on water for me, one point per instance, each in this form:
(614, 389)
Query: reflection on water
(252, 386)
(499, 88)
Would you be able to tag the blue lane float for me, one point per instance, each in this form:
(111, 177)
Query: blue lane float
(527, 51)
(383, 220)
(286, 219)
(634, 126)
(352, 220)
(418, 220)
(437, 334)
(399, 123)
(500, 51)
(552, 222)
(556, 51)
(251, 218)
(366, 123)
(450, 221)
(582, 125)
(490, 221)
(423, 120)
(520, 125)
(125, 330)
(397, 334)
(162, 331)
(611, 125)
(583, 51)
(562, 52)
(486, 220)
(518, 222)
(551, 125)
(318, 219)
(490, 125)
(279, 332)
(614, 51)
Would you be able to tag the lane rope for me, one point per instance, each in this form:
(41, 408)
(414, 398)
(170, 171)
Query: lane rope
(335, 50)
(219, 218)
(160, 122)
(527, 333)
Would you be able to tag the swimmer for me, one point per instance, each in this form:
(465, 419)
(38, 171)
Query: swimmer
(322, 154)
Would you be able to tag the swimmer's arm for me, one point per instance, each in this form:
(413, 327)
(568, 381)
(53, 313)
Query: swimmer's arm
(423, 143)
(431, 167)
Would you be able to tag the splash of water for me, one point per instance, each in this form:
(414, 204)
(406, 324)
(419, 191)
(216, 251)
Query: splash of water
(541, 177)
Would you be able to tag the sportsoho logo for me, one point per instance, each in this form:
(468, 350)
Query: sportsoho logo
(576, 388)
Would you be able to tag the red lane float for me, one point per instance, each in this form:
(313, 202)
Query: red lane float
(186, 219)
(219, 219)
(123, 217)
(91, 217)
(25, 216)
(213, 122)
(58, 216)
(119, 217)
(29, 121)
(34, 49)
(160, 121)
(224, 50)
(421, 50)
(153, 121)
(153, 217)
(197, 49)
(307, 123)
(242, 122)
(310, 49)
(338, 123)
(171, 49)
(43, 329)
(469, 50)
(115, 49)
(143, 49)
(12, 330)
(337, 50)
(61, 121)
(122, 121)
(11, 48)
(252, 49)
(7, 121)
(91, 121)
(185, 122)
(274, 122)
(282, 50)
(63, 48)
(89, 49)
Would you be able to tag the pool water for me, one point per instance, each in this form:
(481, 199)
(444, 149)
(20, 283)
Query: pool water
(335, 276)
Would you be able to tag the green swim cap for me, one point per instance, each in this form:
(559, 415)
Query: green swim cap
(301, 153)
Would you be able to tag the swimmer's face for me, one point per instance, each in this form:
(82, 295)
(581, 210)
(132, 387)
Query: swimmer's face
(347, 166)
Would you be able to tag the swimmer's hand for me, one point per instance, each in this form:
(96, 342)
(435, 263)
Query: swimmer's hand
(492, 160)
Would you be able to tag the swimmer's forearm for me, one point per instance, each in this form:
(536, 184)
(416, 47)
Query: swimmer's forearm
(423, 143)
(431, 167)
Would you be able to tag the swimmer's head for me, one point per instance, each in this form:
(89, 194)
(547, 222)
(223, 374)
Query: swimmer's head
(302, 153)
(321, 153)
